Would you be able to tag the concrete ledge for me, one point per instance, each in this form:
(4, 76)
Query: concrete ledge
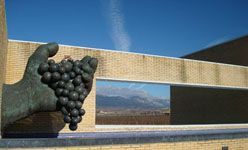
(109, 128)
(110, 138)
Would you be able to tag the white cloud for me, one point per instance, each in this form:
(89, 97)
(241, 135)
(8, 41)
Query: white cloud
(131, 85)
(136, 86)
(119, 35)
(140, 87)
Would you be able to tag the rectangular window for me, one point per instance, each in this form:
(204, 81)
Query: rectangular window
(132, 103)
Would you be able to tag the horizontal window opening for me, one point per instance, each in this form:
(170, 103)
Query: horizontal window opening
(132, 103)
(138, 103)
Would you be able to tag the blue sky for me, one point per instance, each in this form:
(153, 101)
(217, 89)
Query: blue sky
(161, 27)
(156, 90)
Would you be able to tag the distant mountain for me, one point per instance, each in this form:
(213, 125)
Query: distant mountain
(125, 98)
(122, 92)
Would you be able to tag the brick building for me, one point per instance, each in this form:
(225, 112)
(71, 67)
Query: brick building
(214, 85)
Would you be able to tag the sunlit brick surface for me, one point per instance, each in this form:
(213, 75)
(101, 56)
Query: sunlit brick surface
(137, 67)
(3, 48)
(121, 66)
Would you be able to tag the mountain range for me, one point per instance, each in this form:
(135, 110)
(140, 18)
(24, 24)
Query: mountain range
(109, 97)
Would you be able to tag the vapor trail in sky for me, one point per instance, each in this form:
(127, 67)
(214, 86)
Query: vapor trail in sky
(119, 35)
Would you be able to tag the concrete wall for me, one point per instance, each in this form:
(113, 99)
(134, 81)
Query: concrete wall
(233, 144)
(3, 49)
(206, 105)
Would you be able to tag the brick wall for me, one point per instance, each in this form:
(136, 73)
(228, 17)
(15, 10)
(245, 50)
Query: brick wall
(3, 48)
(136, 67)
(122, 66)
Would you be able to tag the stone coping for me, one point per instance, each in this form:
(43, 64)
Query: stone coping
(117, 128)
(110, 138)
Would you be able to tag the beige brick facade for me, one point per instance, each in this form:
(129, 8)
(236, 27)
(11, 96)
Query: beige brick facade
(20, 51)
(121, 66)
(3, 48)
(137, 67)
(110, 63)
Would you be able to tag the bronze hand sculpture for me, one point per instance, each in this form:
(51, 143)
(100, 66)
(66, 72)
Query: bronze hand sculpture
(30, 94)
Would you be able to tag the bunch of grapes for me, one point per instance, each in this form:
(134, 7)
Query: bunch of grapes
(71, 81)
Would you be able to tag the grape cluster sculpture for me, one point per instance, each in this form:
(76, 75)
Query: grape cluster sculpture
(71, 81)
(47, 86)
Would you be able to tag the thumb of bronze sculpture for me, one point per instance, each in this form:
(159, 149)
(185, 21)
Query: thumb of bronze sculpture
(50, 86)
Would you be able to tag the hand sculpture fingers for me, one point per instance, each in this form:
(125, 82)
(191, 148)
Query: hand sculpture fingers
(39, 56)
(43, 52)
